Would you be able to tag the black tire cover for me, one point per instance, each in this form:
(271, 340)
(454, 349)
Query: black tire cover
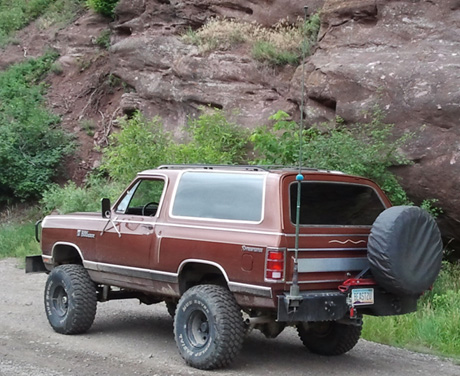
(405, 250)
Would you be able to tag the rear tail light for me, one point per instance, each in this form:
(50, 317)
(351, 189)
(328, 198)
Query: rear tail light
(275, 262)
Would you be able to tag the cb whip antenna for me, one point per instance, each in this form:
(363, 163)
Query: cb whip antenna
(294, 293)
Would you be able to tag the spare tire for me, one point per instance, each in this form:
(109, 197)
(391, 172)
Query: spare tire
(405, 250)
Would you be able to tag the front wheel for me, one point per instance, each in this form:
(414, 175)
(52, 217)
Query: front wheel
(208, 327)
(329, 337)
(70, 299)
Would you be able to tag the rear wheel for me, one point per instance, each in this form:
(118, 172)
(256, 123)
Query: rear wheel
(208, 327)
(70, 299)
(329, 337)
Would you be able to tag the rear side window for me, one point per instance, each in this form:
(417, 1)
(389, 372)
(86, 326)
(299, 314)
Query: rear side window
(220, 195)
(329, 203)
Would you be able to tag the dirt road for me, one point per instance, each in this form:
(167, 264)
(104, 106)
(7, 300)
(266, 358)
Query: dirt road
(132, 339)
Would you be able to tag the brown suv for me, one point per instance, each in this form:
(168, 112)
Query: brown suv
(219, 242)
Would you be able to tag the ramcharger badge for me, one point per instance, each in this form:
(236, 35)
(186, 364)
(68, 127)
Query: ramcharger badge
(85, 234)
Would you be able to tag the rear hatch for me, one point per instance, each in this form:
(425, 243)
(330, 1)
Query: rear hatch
(336, 215)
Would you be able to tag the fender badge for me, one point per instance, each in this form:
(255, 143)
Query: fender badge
(245, 248)
(85, 234)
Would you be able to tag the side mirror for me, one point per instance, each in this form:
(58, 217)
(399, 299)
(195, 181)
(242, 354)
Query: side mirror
(106, 210)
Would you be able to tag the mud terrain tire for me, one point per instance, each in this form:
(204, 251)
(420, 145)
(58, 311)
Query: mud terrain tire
(208, 327)
(405, 250)
(329, 337)
(70, 299)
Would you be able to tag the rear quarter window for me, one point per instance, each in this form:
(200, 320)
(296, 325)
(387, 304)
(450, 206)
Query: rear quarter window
(335, 204)
(221, 196)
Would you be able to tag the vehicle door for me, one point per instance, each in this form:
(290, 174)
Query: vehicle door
(129, 236)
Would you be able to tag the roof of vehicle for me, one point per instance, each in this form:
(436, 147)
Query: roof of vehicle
(255, 168)
(279, 171)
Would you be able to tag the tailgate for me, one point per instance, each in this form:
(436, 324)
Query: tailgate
(326, 260)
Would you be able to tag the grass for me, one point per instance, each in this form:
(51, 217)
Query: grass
(18, 240)
(265, 51)
(434, 328)
(17, 231)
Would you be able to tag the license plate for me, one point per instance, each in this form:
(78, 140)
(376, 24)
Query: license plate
(362, 296)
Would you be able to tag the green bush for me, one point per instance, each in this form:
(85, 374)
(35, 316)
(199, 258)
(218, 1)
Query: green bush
(367, 149)
(104, 7)
(32, 146)
(360, 149)
(142, 144)
(213, 139)
(14, 15)
(71, 198)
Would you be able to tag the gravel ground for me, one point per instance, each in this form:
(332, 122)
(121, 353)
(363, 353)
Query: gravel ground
(131, 339)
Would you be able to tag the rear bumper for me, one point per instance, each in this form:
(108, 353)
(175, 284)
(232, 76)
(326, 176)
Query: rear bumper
(312, 306)
(335, 305)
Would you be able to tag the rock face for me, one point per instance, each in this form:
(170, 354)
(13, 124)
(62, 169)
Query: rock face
(173, 79)
(402, 55)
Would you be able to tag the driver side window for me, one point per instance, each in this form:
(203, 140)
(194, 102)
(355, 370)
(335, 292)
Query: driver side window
(143, 198)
